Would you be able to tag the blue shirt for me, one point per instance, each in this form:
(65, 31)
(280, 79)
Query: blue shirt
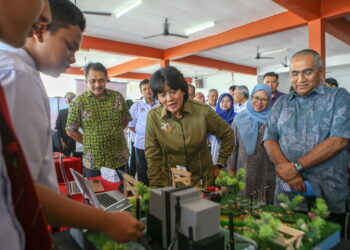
(300, 123)
(139, 112)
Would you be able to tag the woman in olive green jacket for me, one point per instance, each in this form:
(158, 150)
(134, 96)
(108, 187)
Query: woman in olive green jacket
(177, 131)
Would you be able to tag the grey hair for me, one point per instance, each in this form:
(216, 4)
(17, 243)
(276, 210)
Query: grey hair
(243, 90)
(317, 58)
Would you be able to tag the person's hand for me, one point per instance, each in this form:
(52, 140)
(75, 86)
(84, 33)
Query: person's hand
(297, 183)
(286, 171)
(64, 145)
(231, 171)
(122, 227)
(217, 168)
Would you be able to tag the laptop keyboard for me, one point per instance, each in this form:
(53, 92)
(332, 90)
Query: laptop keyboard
(105, 199)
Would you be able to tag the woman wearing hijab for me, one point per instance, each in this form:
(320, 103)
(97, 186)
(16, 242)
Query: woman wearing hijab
(249, 127)
(225, 109)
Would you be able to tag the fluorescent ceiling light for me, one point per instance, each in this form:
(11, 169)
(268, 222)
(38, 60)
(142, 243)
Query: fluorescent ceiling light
(200, 27)
(128, 8)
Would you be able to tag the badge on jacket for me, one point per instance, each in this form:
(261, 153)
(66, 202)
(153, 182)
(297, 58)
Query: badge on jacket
(165, 127)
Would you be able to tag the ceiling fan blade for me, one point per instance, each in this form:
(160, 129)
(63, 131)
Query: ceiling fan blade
(97, 13)
(246, 59)
(178, 35)
(274, 51)
(147, 37)
(264, 57)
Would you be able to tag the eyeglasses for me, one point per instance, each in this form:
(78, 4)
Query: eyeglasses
(258, 99)
(304, 73)
(101, 80)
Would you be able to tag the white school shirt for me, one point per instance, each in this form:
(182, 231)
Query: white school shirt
(29, 109)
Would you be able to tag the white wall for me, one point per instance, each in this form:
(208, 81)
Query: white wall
(223, 81)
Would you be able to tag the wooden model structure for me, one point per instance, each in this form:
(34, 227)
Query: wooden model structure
(292, 243)
(129, 185)
(180, 176)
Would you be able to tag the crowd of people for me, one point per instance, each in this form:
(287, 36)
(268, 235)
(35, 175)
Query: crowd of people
(277, 137)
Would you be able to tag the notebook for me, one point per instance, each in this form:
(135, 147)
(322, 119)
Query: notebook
(111, 200)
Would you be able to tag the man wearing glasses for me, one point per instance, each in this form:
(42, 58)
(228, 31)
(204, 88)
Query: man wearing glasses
(102, 114)
(308, 134)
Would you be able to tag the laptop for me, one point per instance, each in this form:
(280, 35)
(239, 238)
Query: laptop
(111, 200)
(72, 187)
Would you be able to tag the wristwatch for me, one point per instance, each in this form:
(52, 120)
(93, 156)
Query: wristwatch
(298, 166)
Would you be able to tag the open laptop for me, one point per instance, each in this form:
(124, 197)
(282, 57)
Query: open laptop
(111, 200)
(72, 187)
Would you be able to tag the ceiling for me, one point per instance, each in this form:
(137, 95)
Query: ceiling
(148, 18)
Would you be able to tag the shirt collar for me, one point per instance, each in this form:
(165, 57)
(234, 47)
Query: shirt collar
(90, 94)
(21, 53)
(318, 90)
(143, 100)
(187, 108)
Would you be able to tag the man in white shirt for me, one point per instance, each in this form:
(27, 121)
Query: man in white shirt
(17, 63)
(212, 98)
(240, 95)
(139, 112)
(49, 51)
(15, 25)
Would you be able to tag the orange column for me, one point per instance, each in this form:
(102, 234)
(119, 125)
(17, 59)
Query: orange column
(317, 38)
(164, 63)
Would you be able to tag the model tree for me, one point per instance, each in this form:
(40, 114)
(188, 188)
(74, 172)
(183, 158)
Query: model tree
(143, 194)
(233, 183)
(314, 226)
(287, 204)
(262, 230)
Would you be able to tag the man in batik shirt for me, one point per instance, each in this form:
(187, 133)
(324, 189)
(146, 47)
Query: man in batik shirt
(308, 134)
(102, 114)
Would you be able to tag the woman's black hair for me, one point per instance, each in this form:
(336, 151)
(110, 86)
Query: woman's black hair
(170, 76)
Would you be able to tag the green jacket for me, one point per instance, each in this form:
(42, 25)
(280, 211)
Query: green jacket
(170, 142)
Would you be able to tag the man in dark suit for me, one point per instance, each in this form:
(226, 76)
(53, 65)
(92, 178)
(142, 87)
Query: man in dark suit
(67, 143)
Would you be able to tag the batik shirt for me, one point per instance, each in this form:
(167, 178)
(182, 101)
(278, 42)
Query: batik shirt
(102, 122)
(300, 123)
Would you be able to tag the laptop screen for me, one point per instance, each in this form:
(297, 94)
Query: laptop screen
(64, 175)
(85, 188)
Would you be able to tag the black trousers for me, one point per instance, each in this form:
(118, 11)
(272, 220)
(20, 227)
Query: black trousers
(141, 166)
(132, 161)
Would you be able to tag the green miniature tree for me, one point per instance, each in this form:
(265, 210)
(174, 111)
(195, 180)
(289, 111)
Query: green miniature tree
(234, 183)
(320, 209)
(103, 242)
(143, 192)
(288, 204)
(314, 226)
(262, 230)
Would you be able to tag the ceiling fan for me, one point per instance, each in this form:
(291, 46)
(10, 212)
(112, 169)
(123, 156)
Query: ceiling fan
(259, 56)
(166, 32)
(91, 12)
(285, 63)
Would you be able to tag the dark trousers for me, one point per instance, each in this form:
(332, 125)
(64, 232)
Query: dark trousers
(132, 161)
(141, 166)
(89, 172)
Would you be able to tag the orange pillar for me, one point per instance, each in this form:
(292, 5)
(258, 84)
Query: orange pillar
(317, 38)
(164, 63)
